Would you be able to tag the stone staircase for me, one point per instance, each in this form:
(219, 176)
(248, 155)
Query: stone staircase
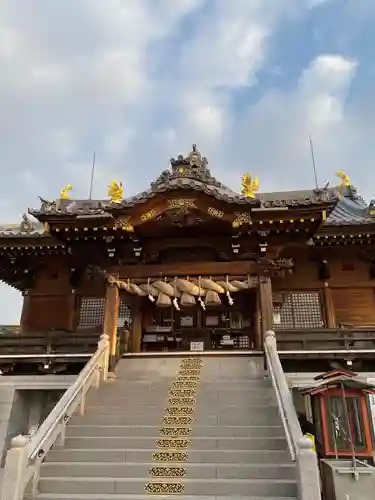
(167, 426)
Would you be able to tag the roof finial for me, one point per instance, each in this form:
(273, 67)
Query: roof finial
(194, 147)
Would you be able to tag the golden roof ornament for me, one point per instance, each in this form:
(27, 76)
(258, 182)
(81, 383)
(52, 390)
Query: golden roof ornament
(116, 192)
(344, 178)
(249, 185)
(64, 193)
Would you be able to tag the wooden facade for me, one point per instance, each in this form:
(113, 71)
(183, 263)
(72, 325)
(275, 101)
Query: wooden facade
(306, 259)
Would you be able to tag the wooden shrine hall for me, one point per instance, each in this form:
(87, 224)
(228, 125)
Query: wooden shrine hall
(189, 264)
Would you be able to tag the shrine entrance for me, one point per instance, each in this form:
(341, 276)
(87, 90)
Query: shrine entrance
(196, 329)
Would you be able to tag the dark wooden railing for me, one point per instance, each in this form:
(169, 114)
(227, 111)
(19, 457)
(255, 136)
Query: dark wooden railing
(58, 345)
(326, 339)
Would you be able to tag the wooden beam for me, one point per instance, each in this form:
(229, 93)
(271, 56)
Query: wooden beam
(240, 268)
(110, 320)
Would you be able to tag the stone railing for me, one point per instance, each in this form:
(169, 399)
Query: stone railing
(300, 447)
(25, 456)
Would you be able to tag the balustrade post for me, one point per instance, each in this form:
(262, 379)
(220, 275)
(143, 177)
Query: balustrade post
(104, 341)
(308, 471)
(16, 463)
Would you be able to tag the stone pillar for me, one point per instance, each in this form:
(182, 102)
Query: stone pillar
(110, 320)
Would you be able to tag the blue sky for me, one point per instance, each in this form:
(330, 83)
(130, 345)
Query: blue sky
(139, 81)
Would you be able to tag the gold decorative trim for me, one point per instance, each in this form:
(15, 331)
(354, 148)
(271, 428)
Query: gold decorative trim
(178, 420)
(192, 360)
(182, 401)
(181, 204)
(175, 431)
(190, 366)
(159, 471)
(215, 212)
(164, 488)
(182, 393)
(188, 378)
(150, 214)
(180, 410)
(170, 456)
(241, 219)
(184, 385)
(173, 443)
(189, 372)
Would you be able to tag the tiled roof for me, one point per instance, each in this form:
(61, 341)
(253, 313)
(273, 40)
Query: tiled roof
(187, 173)
(351, 212)
(26, 227)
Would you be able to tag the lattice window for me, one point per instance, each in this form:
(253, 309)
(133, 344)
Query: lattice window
(299, 310)
(92, 313)
(124, 314)
(241, 342)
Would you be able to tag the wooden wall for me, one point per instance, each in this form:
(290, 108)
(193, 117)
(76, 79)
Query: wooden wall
(352, 291)
(51, 303)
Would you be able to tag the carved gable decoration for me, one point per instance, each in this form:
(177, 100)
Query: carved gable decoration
(193, 166)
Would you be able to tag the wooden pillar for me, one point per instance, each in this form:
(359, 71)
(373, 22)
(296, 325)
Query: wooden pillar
(329, 308)
(136, 335)
(71, 320)
(258, 324)
(266, 304)
(24, 321)
(110, 320)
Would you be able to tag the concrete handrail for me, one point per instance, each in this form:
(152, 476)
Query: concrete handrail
(300, 447)
(25, 456)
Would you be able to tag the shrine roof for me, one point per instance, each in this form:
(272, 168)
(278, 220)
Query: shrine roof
(191, 174)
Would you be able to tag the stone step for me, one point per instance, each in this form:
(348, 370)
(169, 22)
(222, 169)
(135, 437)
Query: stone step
(160, 410)
(190, 456)
(129, 399)
(196, 443)
(225, 384)
(212, 487)
(100, 496)
(268, 416)
(191, 471)
(84, 430)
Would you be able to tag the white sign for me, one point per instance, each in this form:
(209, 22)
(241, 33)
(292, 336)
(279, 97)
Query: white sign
(197, 346)
(276, 318)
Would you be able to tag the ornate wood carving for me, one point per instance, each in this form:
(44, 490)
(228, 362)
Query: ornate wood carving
(215, 212)
(241, 219)
(181, 204)
(150, 214)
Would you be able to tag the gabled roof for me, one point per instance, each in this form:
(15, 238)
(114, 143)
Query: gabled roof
(188, 173)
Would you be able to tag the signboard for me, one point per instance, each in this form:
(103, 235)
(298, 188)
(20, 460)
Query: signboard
(197, 346)
(276, 318)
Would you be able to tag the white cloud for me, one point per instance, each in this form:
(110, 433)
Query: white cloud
(139, 80)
